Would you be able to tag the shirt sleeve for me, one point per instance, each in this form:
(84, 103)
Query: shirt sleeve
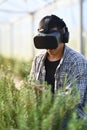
(32, 72)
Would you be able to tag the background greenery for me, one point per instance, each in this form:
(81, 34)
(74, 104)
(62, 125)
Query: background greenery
(18, 68)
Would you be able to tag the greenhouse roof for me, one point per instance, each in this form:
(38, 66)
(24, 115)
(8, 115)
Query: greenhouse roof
(10, 10)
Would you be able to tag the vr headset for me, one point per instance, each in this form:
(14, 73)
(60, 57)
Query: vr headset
(47, 41)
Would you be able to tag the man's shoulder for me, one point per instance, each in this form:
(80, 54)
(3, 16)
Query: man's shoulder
(74, 56)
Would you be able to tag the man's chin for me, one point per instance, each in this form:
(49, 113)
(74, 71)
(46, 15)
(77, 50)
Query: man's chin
(51, 52)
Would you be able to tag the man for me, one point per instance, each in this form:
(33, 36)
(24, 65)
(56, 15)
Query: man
(59, 66)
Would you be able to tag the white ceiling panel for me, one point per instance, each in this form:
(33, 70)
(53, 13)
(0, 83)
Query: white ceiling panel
(13, 9)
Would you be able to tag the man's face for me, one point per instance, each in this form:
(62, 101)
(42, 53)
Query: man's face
(58, 49)
(55, 51)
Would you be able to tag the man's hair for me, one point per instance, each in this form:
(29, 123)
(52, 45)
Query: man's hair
(50, 21)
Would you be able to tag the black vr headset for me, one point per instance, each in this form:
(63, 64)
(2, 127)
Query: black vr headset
(49, 39)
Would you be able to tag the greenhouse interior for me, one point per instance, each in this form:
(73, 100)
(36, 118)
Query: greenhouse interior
(29, 104)
(19, 21)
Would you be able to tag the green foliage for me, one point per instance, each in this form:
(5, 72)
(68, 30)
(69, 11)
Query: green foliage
(28, 109)
(25, 109)
(16, 67)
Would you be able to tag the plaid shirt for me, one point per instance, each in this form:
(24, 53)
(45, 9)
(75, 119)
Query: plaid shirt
(72, 66)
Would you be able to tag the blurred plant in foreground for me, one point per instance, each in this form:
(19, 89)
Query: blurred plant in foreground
(33, 108)
(30, 109)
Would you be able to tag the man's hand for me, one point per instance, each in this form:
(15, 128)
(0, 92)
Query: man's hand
(39, 89)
